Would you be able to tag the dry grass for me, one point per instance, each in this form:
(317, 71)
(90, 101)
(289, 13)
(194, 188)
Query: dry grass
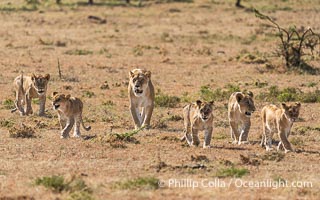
(199, 49)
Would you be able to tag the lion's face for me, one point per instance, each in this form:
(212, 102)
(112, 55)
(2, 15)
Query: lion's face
(292, 110)
(205, 109)
(246, 103)
(139, 80)
(59, 101)
(40, 83)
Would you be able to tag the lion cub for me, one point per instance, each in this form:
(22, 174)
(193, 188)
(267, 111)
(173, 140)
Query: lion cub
(198, 117)
(279, 120)
(69, 112)
(27, 88)
(240, 108)
(141, 97)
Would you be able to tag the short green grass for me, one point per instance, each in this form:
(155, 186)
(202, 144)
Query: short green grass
(7, 123)
(54, 183)
(232, 172)
(58, 184)
(164, 100)
(274, 94)
(88, 94)
(8, 104)
(21, 131)
(140, 183)
(219, 94)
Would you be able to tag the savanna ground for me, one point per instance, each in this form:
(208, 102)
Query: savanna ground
(188, 46)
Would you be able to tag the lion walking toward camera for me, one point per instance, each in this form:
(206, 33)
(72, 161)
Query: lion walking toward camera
(198, 117)
(27, 88)
(141, 97)
(280, 120)
(69, 113)
(240, 108)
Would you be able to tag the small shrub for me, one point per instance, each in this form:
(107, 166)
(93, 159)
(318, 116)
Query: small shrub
(22, 131)
(36, 101)
(88, 94)
(199, 158)
(58, 184)
(289, 94)
(108, 103)
(259, 84)
(297, 141)
(163, 100)
(220, 136)
(6, 123)
(141, 183)
(311, 84)
(80, 195)
(54, 183)
(118, 140)
(252, 58)
(8, 104)
(232, 172)
(175, 118)
(218, 94)
(302, 130)
(294, 44)
(273, 156)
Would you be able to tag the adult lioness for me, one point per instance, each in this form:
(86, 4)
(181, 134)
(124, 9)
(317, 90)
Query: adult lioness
(26, 89)
(240, 108)
(69, 112)
(198, 117)
(141, 96)
(279, 120)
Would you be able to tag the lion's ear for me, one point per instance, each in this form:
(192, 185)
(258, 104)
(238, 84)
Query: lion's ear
(148, 74)
(131, 73)
(68, 96)
(239, 97)
(47, 76)
(298, 104)
(211, 103)
(284, 106)
(33, 76)
(199, 103)
(250, 94)
(54, 94)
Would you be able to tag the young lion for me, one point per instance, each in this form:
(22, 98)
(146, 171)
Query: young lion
(198, 117)
(69, 112)
(281, 121)
(26, 89)
(141, 96)
(240, 108)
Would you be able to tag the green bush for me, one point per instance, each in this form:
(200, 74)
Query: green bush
(163, 100)
(232, 172)
(289, 94)
(207, 94)
(146, 183)
(8, 104)
(58, 184)
(54, 183)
